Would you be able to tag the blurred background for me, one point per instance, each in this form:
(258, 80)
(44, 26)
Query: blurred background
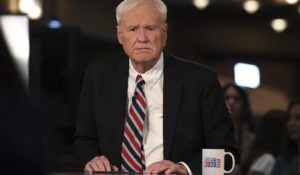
(66, 35)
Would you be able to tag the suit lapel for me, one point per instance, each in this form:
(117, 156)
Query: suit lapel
(172, 96)
(118, 94)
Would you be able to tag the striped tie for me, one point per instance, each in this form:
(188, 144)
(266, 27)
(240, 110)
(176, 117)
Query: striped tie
(133, 159)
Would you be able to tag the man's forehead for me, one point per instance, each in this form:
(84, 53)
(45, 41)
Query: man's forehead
(143, 11)
(140, 21)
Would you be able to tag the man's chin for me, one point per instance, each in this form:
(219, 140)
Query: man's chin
(143, 57)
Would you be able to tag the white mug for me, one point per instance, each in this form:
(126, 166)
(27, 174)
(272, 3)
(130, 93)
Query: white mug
(213, 161)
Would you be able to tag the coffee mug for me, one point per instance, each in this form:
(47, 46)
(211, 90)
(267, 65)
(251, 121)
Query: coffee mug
(213, 161)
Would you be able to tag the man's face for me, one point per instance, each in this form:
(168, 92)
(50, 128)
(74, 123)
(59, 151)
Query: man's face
(143, 34)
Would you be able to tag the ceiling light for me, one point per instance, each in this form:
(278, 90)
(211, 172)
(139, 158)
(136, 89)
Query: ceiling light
(291, 1)
(279, 25)
(201, 4)
(33, 8)
(251, 6)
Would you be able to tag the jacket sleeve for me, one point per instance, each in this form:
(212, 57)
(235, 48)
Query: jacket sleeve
(217, 123)
(85, 141)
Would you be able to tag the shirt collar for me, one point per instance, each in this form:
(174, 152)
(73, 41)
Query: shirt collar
(151, 76)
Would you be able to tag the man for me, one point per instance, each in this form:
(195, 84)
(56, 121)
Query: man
(178, 105)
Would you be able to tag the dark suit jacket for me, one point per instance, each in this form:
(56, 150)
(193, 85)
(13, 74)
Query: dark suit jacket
(194, 112)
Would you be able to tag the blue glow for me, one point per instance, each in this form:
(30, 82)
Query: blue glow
(54, 24)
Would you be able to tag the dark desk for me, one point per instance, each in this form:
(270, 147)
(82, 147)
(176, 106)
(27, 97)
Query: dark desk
(96, 173)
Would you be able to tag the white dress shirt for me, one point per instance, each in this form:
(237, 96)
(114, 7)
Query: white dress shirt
(153, 128)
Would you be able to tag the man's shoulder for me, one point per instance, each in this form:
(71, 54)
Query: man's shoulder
(109, 62)
(187, 65)
(113, 59)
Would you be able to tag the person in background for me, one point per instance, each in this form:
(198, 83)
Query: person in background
(236, 99)
(288, 163)
(146, 110)
(266, 145)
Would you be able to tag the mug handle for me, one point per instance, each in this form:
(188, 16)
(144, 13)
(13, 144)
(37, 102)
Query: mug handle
(233, 162)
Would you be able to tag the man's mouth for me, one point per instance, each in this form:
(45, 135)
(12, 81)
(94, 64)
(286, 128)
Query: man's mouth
(142, 49)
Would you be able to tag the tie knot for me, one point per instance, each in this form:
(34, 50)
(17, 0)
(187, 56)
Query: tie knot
(139, 80)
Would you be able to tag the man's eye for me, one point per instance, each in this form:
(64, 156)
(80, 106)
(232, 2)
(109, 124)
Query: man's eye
(151, 28)
(132, 29)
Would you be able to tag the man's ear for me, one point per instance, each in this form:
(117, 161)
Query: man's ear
(166, 28)
(119, 34)
(165, 33)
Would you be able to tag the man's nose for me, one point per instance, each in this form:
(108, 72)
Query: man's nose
(142, 36)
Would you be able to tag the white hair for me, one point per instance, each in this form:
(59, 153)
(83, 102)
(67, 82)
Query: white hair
(127, 5)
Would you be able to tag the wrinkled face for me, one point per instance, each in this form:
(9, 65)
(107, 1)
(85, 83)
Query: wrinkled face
(143, 33)
(293, 125)
(233, 101)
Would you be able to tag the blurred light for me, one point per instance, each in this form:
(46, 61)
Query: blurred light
(33, 8)
(54, 24)
(279, 25)
(251, 6)
(13, 6)
(201, 4)
(299, 9)
(291, 1)
(15, 29)
(246, 75)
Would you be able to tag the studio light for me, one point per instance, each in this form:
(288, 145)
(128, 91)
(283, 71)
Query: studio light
(251, 6)
(279, 25)
(201, 4)
(246, 75)
(33, 8)
(15, 30)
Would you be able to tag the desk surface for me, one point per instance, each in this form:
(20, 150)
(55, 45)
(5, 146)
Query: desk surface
(95, 173)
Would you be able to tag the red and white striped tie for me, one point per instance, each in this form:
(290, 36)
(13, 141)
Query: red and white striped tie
(133, 159)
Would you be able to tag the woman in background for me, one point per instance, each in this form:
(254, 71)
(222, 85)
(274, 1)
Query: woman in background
(289, 162)
(237, 102)
(267, 144)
